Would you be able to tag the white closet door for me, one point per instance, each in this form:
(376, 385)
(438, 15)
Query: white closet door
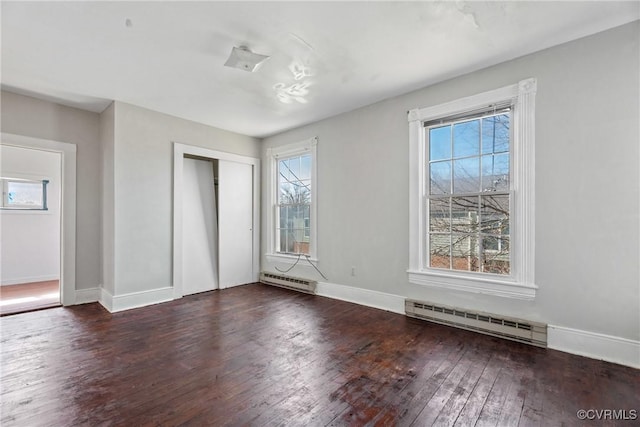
(199, 228)
(235, 208)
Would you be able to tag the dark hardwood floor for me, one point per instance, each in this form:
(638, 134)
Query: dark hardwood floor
(258, 355)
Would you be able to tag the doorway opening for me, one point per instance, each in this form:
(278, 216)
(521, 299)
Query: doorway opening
(30, 217)
(65, 201)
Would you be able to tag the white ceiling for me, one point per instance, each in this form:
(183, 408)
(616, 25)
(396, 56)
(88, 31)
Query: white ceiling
(169, 56)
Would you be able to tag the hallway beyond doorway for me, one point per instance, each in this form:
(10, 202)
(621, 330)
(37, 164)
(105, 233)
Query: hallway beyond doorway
(29, 297)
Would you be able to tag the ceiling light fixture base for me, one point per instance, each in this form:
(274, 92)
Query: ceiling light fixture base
(243, 59)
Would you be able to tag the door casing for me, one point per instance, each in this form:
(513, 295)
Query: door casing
(179, 151)
(67, 206)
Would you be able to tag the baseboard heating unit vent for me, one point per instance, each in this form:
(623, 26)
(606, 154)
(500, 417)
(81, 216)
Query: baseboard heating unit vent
(513, 329)
(295, 283)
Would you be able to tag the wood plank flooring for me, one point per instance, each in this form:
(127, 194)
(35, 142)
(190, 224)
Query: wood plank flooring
(29, 296)
(263, 356)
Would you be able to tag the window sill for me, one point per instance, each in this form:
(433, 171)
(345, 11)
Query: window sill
(480, 285)
(288, 259)
(19, 211)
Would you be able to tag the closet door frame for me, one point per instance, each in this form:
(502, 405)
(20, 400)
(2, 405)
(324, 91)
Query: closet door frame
(179, 151)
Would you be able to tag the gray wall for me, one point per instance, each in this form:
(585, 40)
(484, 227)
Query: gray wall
(143, 197)
(107, 141)
(124, 183)
(22, 115)
(587, 187)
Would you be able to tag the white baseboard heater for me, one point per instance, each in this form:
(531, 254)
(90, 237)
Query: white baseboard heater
(491, 324)
(289, 282)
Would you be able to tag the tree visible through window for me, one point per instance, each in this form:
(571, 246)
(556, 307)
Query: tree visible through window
(472, 193)
(468, 201)
(294, 204)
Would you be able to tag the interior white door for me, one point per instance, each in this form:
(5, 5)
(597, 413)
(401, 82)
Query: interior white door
(235, 197)
(199, 222)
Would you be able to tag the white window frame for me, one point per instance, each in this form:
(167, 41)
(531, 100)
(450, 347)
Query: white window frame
(520, 283)
(6, 205)
(308, 146)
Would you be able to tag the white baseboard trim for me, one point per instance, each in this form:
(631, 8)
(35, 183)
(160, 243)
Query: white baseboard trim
(369, 298)
(593, 345)
(115, 303)
(30, 279)
(85, 296)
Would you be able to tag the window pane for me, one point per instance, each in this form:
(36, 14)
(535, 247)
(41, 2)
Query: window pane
(296, 193)
(285, 193)
(466, 139)
(440, 177)
(440, 143)
(495, 172)
(470, 161)
(466, 175)
(284, 216)
(294, 198)
(490, 244)
(297, 217)
(296, 228)
(439, 245)
(495, 134)
(294, 168)
(439, 215)
(495, 255)
(494, 212)
(284, 175)
(464, 214)
(303, 192)
(464, 252)
(501, 168)
(305, 167)
(283, 240)
(301, 247)
(24, 194)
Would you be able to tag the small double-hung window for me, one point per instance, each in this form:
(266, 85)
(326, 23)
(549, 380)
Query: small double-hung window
(294, 204)
(472, 193)
(292, 195)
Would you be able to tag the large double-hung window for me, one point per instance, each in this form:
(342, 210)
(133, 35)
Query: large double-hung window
(468, 197)
(472, 188)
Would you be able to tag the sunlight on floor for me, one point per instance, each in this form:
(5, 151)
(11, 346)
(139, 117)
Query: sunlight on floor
(50, 296)
(29, 296)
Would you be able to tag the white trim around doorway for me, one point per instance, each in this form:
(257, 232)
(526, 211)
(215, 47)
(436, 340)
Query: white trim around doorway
(67, 206)
(179, 151)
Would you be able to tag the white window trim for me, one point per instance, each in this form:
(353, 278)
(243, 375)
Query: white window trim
(273, 154)
(520, 284)
(42, 207)
(9, 175)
